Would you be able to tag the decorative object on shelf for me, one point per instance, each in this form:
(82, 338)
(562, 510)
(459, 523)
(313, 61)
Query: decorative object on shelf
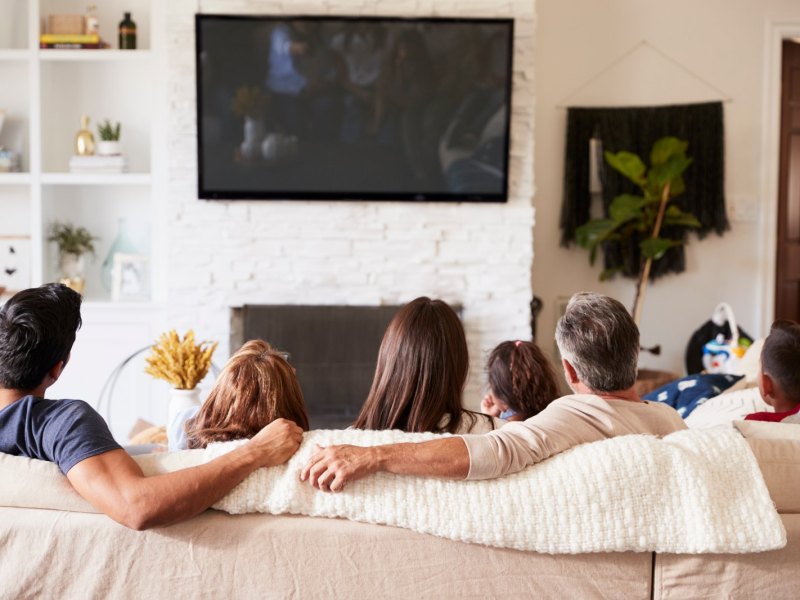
(70, 41)
(98, 165)
(127, 33)
(124, 243)
(9, 159)
(129, 278)
(84, 140)
(66, 25)
(73, 244)
(635, 221)
(91, 22)
(183, 363)
(109, 139)
(15, 263)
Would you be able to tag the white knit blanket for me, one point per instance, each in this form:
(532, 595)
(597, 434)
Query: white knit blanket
(690, 492)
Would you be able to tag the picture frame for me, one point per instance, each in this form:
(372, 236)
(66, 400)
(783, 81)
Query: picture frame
(130, 278)
(15, 263)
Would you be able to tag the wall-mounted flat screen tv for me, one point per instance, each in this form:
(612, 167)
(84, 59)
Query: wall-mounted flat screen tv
(353, 108)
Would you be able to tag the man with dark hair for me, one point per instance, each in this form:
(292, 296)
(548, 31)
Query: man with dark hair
(37, 330)
(599, 345)
(779, 374)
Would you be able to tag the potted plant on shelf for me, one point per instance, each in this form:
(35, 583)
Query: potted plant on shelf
(109, 139)
(73, 244)
(635, 220)
(183, 363)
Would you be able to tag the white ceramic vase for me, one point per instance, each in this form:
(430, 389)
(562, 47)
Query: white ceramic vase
(180, 400)
(72, 265)
(72, 268)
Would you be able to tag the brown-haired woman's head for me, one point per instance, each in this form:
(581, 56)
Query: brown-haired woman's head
(421, 371)
(256, 386)
(521, 376)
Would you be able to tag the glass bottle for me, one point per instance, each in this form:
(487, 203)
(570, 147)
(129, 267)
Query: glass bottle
(92, 25)
(123, 244)
(84, 140)
(127, 33)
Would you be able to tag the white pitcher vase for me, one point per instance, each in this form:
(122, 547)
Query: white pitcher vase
(180, 400)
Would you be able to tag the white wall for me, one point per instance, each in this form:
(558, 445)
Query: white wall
(722, 42)
(226, 254)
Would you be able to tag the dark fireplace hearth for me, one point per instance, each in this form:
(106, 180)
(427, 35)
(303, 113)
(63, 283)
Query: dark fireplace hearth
(333, 348)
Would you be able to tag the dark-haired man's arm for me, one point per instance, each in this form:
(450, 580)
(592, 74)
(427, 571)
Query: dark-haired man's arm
(113, 482)
(333, 467)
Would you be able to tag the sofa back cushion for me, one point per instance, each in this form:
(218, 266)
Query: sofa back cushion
(26, 482)
(779, 460)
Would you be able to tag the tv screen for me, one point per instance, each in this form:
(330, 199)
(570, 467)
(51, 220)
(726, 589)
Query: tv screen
(353, 108)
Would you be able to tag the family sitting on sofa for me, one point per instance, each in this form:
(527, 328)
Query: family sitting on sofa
(421, 372)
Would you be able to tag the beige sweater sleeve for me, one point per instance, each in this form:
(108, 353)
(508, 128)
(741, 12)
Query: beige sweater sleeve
(567, 422)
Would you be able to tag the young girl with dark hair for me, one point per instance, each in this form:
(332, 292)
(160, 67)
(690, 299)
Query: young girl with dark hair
(256, 387)
(521, 381)
(420, 376)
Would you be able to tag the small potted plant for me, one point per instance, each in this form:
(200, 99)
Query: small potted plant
(109, 139)
(73, 244)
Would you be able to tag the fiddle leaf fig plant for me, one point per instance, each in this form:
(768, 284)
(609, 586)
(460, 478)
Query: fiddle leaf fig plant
(641, 216)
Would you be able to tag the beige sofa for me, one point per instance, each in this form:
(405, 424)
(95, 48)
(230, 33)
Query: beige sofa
(64, 554)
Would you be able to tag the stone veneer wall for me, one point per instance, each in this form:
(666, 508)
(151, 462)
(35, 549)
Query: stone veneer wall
(224, 254)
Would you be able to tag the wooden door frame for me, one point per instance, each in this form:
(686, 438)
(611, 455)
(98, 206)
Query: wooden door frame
(775, 33)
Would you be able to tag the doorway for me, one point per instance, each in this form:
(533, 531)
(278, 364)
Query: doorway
(787, 273)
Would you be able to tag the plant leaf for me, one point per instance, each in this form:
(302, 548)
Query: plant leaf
(664, 173)
(609, 273)
(675, 216)
(656, 247)
(627, 207)
(628, 164)
(678, 187)
(666, 148)
(594, 232)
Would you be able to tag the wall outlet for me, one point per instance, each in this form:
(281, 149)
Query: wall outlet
(742, 209)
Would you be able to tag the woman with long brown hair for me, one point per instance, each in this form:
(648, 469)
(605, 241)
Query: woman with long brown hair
(420, 376)
(256, 386)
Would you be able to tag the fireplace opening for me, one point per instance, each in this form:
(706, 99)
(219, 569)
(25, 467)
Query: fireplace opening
(334, 350)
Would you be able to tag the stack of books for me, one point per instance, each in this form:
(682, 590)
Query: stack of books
(65, 41)
(98, 164)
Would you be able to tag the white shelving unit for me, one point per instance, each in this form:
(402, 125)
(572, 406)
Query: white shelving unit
(44, 93)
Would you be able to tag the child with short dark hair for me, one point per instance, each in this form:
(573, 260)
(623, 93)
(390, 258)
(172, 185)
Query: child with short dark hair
(779, 374)
(521, 381)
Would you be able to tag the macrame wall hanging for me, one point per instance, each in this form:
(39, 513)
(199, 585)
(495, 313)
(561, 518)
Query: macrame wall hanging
(590, 131)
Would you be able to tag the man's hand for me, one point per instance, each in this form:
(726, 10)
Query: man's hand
(277, 442)
(331, 468)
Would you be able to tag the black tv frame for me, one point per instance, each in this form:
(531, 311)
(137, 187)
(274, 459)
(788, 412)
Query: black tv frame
(214, 194)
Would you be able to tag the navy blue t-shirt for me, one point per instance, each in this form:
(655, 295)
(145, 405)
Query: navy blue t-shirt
(62, 431)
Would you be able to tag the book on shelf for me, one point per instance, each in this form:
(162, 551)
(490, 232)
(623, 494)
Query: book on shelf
(69, 38)
(85, 165)
(69, 46)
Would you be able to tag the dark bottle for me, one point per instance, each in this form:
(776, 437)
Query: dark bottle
(127, 33)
